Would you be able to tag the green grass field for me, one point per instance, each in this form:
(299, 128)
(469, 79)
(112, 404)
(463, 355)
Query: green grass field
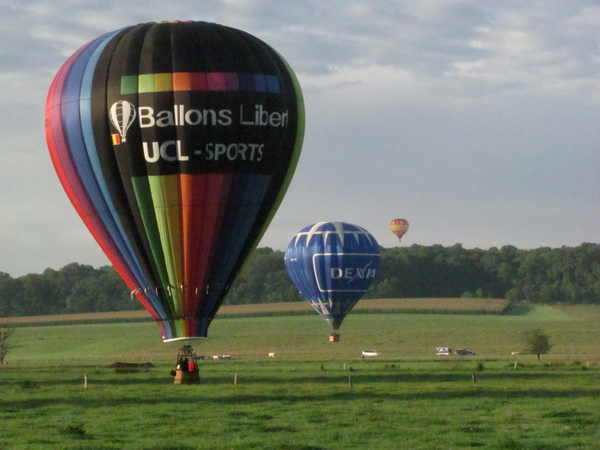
(314, 394)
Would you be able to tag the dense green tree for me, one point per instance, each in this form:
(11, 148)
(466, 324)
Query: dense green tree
(11, 303)
(38, 295)
(543, 275)
(538, 342)
(263, 280)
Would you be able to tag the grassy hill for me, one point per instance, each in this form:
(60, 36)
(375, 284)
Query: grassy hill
(574, 332)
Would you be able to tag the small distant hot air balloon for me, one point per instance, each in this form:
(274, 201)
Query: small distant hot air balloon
(332, 264)
(176, 142)
(399, 227)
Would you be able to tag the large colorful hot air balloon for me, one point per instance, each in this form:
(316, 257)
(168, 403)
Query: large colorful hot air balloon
(176, 142)
(399, 227)
(332, 264)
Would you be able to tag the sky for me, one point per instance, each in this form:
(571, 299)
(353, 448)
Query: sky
(477, 121)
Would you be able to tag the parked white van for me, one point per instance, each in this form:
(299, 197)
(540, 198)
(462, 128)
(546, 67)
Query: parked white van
(443, 351)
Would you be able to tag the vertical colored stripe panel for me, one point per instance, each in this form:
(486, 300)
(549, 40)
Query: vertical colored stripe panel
(146, 208)
(123, 258)
(193, 189)
(67, 174)
(165, 198)
(245, 197)
(207, 230)
(64, 164)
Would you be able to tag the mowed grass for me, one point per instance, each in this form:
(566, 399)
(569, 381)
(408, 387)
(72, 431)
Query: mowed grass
(303, 405)
(314, 394)
(394, 335)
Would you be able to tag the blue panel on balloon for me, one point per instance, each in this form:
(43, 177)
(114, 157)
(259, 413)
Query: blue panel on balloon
(332, 264)
(345, 272)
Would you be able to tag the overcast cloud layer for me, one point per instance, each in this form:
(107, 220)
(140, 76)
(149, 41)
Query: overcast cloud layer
(479, 122)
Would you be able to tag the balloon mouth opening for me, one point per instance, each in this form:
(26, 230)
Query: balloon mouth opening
(335, 324)
(192, 338)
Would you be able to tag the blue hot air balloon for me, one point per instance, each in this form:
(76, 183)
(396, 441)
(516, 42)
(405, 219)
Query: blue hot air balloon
(332, 264)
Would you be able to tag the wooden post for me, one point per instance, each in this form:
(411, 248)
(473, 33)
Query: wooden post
(350, 381)
(85, 380)
(235, 379)
(474, 378)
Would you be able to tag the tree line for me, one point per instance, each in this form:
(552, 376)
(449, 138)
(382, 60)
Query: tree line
(544, 275)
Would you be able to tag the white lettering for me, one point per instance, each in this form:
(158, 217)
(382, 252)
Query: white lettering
(225, 117)
(242, 121)
(179, 116)
(351, 273)
(165, 119)
(163, 151)
(336, 273)
(146, 115)
(193, 117)
(155, 152)
(209, 114)
(209, 151)
(262, 117)
(233, 152)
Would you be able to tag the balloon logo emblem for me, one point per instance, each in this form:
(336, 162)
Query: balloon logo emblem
(209, 123)
(122, 115)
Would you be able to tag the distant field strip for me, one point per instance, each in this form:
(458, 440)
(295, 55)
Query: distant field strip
(397, 305)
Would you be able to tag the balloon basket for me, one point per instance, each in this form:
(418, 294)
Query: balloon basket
(186, 371)
(182, 377)
(334, 337)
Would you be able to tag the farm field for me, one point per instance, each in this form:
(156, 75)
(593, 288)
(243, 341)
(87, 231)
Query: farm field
(465, 305)
(314, 394)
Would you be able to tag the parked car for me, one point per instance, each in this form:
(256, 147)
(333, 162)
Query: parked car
(464, 352)
(370, 353)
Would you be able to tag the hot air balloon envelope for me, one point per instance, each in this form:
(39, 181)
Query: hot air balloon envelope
(176, 142)
(399, 227)
(332, 264)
